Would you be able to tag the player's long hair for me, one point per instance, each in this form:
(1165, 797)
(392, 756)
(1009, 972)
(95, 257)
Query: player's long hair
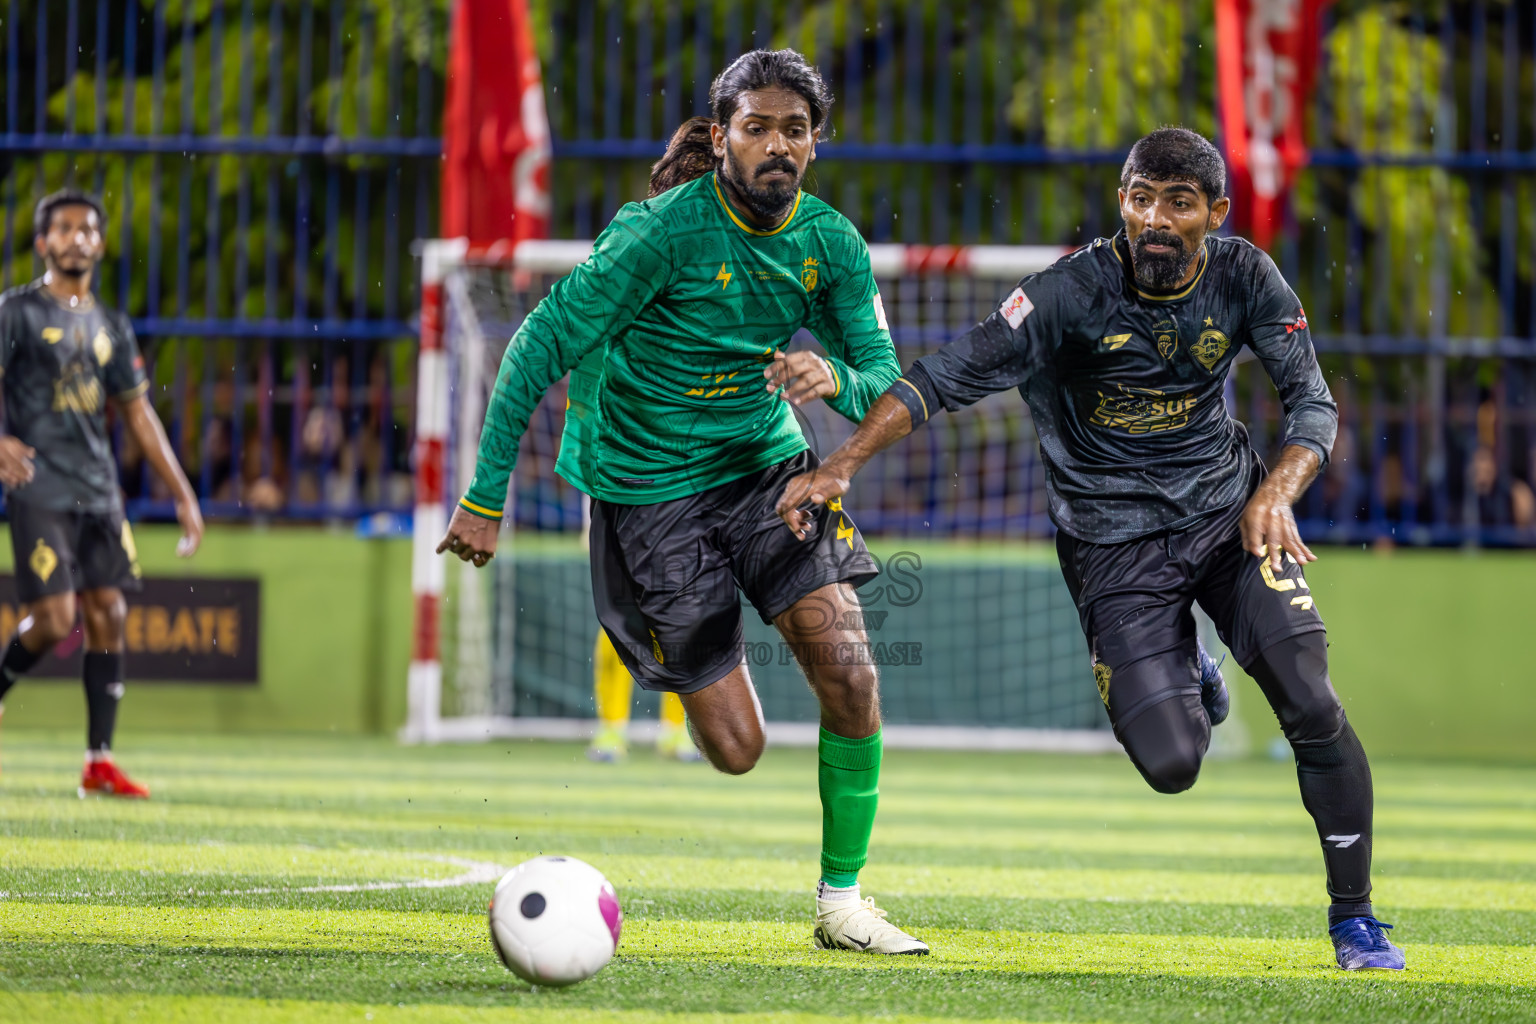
(690, 155)
(760, 69)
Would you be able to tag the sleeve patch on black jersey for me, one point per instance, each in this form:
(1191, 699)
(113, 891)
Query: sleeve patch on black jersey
(1016, 307)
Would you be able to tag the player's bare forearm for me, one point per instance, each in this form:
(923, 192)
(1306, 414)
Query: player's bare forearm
(888, 421)
(1268, 525)
(144, 424)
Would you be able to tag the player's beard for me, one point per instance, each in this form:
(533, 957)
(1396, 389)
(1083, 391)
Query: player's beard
(768, 202)
(1158, 271)
(71, 264)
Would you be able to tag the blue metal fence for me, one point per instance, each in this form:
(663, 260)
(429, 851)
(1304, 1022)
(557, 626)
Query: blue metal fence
(1411, 237)
(267, 163)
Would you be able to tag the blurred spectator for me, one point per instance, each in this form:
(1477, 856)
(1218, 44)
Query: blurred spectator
(1502, 499)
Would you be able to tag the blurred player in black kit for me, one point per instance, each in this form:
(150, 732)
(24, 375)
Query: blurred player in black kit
(63, 355)
(1122, 350)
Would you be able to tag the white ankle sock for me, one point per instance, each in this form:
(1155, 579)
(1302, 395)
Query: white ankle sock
(831, 894)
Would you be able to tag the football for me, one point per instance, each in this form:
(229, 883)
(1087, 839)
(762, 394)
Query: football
(555, 920)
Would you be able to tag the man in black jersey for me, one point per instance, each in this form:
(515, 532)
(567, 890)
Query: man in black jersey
(63, 355)
(1122, 350)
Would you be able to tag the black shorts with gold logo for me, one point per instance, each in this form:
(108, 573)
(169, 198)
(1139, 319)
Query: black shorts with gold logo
(668, 578)
(59, 552)
(1134, 598)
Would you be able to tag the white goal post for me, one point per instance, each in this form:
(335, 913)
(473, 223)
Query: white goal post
(463, 680)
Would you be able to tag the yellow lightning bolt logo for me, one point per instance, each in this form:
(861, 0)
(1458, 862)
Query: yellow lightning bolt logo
(845, 532)
(724, 277)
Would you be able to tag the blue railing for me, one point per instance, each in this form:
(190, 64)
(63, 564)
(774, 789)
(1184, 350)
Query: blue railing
(265, 167)
(268, 162)
(1408, 237)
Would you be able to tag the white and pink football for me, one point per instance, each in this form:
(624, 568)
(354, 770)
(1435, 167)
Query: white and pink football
(555, 920)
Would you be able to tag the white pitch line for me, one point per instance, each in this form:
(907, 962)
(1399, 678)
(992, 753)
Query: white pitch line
(479, 871)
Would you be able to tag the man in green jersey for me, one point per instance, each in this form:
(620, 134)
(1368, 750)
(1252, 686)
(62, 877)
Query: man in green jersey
(691, 298)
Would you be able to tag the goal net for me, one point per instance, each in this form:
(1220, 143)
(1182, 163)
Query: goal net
(976, 636)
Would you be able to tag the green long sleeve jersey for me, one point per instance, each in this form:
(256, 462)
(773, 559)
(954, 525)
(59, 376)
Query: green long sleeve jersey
(672, 320)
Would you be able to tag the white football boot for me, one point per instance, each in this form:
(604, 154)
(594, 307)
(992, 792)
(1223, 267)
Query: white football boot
(861, 926)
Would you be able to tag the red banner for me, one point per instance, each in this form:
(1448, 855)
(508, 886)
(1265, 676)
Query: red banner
(1266, 58)
(495, 131)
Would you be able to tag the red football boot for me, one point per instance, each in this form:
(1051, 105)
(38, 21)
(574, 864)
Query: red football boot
(105, 778)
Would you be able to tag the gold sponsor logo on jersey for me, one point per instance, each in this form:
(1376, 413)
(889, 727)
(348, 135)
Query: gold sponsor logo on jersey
(78, 390)
(53, 335)
(1167, 334)
(102, 346)
(719, 390)
(656, 648)
(1113, 342)
(724, 277)
(1101, 674)
(808, 275)
(43, 561)
(1211, 347)
(1142, 410)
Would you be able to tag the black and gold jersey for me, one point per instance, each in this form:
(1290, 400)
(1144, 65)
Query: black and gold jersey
(1126, 385)
(60, 366)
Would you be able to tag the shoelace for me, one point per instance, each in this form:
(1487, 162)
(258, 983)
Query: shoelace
(1374, 932)
(869, 905)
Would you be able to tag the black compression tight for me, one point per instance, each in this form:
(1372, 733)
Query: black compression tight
(1167, 740)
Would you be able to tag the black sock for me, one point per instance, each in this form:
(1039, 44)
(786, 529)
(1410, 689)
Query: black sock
(18, 661)
(1335, 783)
(1331, 768)
(103, 689)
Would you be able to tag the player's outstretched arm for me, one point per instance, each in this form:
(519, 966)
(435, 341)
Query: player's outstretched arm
(887, 422)
(1268, 525)
(631, 263)
(145, 426)
(1280, 337)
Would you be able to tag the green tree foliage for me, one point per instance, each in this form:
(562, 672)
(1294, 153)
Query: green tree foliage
(233, 69)
(1393, 89)
(1084, 77)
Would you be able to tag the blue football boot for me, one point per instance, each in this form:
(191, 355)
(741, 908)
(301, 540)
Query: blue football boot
(1213, 689)
(1360, 944)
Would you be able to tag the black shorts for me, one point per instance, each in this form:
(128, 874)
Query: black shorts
(665, 576)
(60, 552)
(1134, 601)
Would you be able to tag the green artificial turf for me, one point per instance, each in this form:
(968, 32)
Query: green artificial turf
(1052, 888)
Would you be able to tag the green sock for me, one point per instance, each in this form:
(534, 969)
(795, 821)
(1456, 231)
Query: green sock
(849, 781)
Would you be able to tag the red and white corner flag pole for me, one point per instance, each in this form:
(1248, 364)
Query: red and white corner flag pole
(495, 193)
